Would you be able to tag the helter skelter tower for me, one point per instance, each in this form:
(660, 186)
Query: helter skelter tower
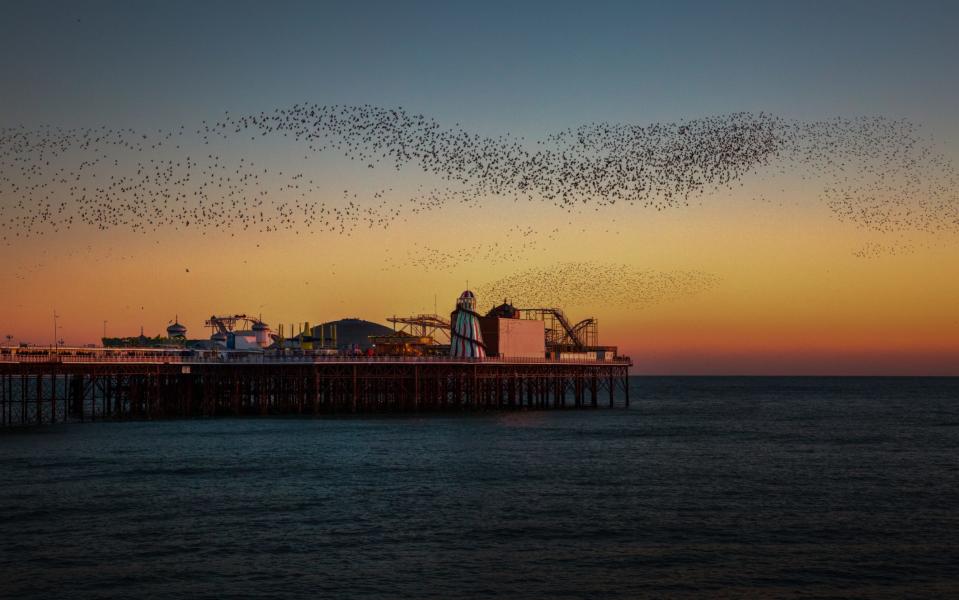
(466, 341)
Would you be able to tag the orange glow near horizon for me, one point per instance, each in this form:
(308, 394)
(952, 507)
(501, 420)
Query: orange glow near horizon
(774, 206)
(791, 297)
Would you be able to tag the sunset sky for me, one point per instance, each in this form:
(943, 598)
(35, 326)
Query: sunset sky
(797, 290)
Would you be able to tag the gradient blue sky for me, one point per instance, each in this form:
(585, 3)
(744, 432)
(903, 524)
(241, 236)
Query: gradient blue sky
(794, 298)
(491, 66)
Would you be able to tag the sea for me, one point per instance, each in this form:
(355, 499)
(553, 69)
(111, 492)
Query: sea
(706, 487)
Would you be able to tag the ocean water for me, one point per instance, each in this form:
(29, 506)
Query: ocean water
(705, 487)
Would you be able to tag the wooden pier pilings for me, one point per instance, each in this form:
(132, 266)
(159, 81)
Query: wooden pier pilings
(35, 393)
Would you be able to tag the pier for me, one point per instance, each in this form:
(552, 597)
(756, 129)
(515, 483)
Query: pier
(51, 388)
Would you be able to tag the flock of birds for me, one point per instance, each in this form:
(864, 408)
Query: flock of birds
(873, 250)
(518, 241)
(576, 284)
(876, 172)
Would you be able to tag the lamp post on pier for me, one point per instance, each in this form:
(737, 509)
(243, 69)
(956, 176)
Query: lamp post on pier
(56, 328)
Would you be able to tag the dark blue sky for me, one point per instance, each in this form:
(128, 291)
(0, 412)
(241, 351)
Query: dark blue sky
(492, 66)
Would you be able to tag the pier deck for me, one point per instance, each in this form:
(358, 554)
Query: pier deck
(41, 389)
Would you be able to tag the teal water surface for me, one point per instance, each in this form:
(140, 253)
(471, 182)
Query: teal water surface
(704, 487)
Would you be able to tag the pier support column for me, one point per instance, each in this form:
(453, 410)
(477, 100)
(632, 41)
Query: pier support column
(612, 389)
(416, 387)
(626, 385)
(355, 391)
(39, 398)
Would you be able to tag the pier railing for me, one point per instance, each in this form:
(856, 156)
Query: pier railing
(279, 360)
